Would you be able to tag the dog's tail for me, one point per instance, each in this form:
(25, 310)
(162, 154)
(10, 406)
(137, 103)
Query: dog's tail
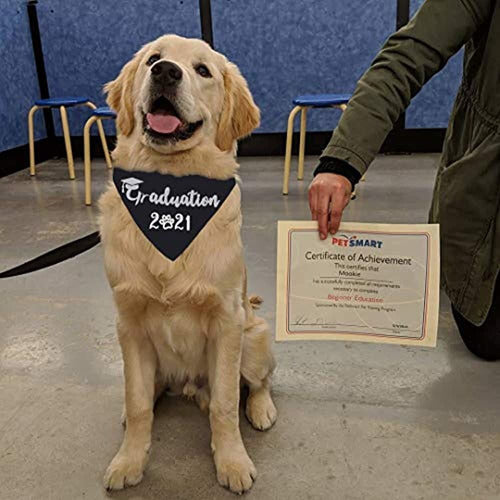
(255, 301)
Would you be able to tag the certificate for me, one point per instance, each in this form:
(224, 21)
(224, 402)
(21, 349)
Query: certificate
(368, 282)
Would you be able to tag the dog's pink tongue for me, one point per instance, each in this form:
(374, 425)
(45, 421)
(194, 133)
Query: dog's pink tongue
(164, 124)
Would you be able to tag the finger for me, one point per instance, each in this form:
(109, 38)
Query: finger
(312, 202)
(336, 209)
(322, 206)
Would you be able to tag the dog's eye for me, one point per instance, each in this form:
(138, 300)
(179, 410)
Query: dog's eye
(153, 59)
(203, 71)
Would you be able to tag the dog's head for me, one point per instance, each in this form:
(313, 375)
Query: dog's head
(176, 92)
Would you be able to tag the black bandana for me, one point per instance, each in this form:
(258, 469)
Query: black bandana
(170, 211)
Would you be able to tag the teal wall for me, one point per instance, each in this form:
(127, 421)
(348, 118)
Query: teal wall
(286, 48)
(18, 82)
(283, 47)
(431, 107)
(86, 42)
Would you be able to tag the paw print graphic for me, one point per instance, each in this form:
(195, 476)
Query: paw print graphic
(166, 222)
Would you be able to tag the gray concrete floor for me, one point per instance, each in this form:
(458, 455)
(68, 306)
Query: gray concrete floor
(356, 421)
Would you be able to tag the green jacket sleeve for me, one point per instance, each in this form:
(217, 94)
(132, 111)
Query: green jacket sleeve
(409, 58)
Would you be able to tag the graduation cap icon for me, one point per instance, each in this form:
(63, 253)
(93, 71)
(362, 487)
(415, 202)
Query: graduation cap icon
(131, 183)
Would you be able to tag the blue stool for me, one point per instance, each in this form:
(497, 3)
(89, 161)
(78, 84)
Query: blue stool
(98, 114)
(62, 103)
(303, 103)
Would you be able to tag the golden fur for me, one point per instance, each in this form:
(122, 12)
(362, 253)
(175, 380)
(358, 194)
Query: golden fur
(187, 325)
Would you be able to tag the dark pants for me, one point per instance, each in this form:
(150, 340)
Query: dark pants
(484, 340)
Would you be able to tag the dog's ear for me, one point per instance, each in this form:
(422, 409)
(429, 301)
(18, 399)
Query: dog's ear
(239, 114)
(120, 96)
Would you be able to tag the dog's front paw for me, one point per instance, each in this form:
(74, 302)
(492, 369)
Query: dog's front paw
(260, 410)
(124, 470)
(235, 470)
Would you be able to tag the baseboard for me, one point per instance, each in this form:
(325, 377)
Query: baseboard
(428, 140)
(414, 140)
(420, 140)
(15, 159)
(96, 150)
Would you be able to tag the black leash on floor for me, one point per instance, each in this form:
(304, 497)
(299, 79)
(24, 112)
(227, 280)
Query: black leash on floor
(55, 256)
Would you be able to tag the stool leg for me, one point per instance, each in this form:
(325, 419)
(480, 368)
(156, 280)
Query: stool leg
(31, 139)
(302, 143)
(104, 143)
(288, 152)
(86, 159)
(67, 141)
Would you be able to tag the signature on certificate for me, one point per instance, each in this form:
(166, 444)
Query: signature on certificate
(304, 320)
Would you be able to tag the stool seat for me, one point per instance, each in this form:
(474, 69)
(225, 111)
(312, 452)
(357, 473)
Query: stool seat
(104, 112)
(321, 100)
(62, 101)
(301, 104)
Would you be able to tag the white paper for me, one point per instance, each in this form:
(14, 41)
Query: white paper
(368, 282)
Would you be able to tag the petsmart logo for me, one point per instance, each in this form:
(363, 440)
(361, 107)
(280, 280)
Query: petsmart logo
(353, 241)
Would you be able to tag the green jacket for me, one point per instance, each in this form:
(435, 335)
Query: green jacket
(466, 199)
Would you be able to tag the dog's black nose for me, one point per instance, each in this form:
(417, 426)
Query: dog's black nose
(166, 72)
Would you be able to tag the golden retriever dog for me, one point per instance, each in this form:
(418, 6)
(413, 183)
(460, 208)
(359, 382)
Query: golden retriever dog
(188, 324)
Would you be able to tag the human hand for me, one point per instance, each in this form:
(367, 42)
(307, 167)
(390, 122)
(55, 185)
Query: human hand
(329, 194)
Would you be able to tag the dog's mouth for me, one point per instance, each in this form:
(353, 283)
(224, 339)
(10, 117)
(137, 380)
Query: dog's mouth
(164, 123)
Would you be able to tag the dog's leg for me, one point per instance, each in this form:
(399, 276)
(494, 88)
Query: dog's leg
(235, 470)
(260, 409)
(257, 365)
(160, 386)
(140, 363)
